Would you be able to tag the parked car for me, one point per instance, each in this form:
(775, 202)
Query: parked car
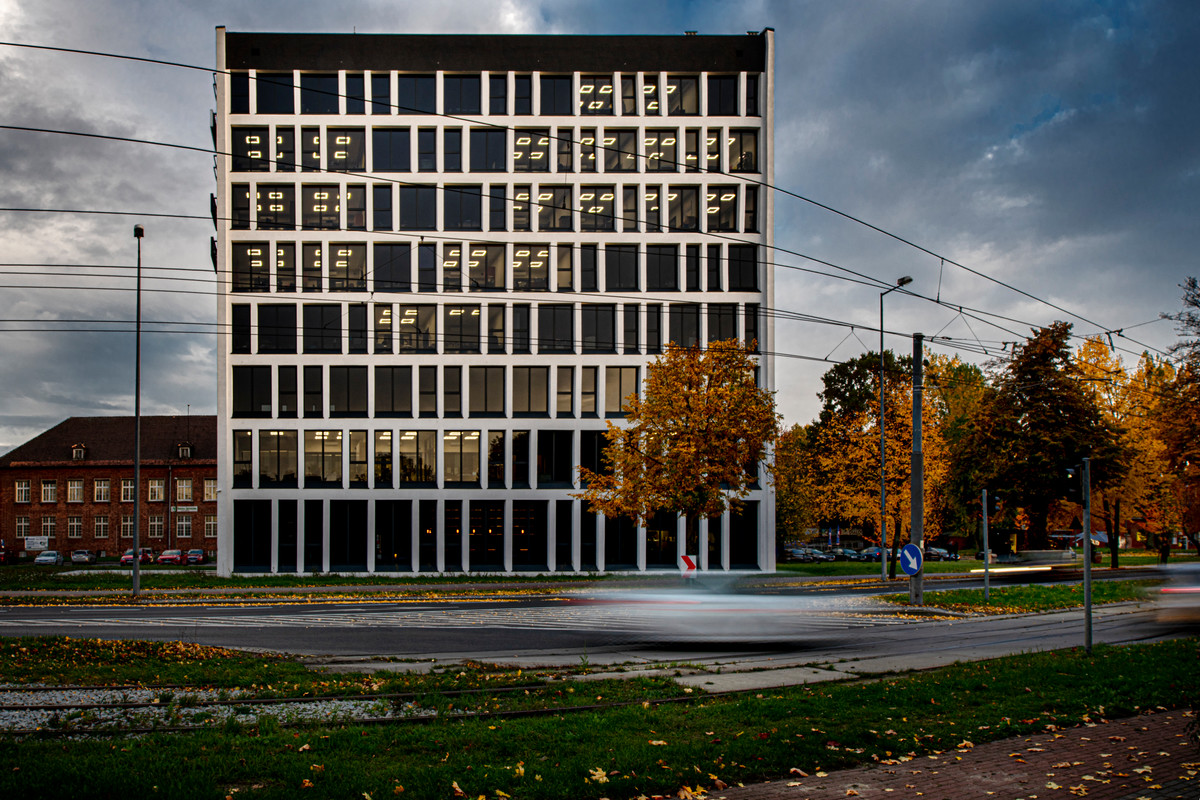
(874, 553)
(939, 554)
(83, 557)
(197, 556)
(172, 557)
(7, 556)
(49, 557)
(145, 556)
(818, 556)
(845, 554)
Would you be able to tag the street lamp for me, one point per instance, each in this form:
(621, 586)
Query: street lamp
(138, 233)
(883, 549)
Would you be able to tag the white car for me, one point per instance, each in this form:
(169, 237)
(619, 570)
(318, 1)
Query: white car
(83, 557)
(49, 557)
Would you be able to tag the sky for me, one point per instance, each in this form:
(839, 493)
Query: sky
(1024, 162)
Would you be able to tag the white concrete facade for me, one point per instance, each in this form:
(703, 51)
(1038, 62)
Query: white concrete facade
(318, 416)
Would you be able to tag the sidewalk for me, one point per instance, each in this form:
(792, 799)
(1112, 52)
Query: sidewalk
(1147, 757)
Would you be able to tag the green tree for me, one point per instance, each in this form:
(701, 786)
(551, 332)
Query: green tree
(1039, 422)
(958, 390)
(692, 443)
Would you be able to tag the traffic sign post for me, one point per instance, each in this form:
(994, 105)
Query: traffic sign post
(911, 559)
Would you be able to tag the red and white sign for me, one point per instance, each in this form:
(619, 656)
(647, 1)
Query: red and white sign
(689, 566)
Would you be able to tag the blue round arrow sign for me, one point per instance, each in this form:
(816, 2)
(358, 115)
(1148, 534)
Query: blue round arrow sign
(911, 559)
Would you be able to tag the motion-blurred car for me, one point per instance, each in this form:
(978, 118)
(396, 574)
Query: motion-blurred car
(172, 557)
(49, 557)
(83, 557)
(939, 554)
(817, 556)
(845, 554)
(197, 556)
(1179, 597)
(146, 556)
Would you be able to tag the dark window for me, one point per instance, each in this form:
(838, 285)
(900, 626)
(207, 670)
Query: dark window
(348, 150)
(427, 391)
(587, 390)
(452, 149)
(554, 208)
(564, 270)
(452, 391)
(381, 207)
(683, 95)
(713, 283)
(520, 327)
(691, 268)
(427, 268)
(251, 268)
(383, 328)
(531, 150)
(275, 93)
(416, 94)
(497, 207)
(620, 268)
(239, 201)
(620, 150)
(654, 340)
(252, 392)
(750, 209)
(356, 327)
(323, 328)
(722, 321)
(348, 268)
(556, 329)
(685, 324)
(523, 94)
(589, 279)
(485, 267)
(285, 267)
(249, 146)
(631, 329)
(743, 268)
(691, 149)
(239, 93)
(393, 268)
(596, 95)
(531, 267)
(462, 208)
(460, 94)
(356, 208)
(743, 151)
(751, 95)
(417, 330)
(566, 149)
(347, 391)
(287, 392)
(392, 150)
(629, 104)
(461, 329)
(310, 149)
(418, 208)
(722, 95)
(598, 323)
(752, 337)
(488, 150)
(531, 391)
(311, 269)
(556, 95)
(591, 451)
(243, 455)
(619, 384)
(596, 204)
(487, 391)
(276, 206)
(555, 464)
(662, 268)
(520, 459)
(381, 93)
(497, 94)
(495, 328)
(318, 94)
(356, 93)
(683, 208)
(427, 150)
(277, 328)
(314, 393)
(496, 460)
(564, 405)
(320, 207)
(240, 338)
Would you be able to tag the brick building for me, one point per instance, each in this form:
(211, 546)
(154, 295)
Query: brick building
(73, 486)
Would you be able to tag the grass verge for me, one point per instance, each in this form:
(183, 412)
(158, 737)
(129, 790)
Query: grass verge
(623, 752)
(1027, 599)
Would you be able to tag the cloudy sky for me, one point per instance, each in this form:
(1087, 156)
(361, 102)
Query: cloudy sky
(1051, 147)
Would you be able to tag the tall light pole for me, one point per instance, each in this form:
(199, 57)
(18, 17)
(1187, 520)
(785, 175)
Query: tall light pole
(883, 548)
(138, 233)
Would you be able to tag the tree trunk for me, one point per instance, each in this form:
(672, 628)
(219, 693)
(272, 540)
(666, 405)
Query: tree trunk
(1037, 537)
(691, 536)
(1114, 537)
(895, 549)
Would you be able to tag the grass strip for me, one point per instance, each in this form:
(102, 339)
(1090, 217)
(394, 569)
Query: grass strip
(1027, 599)
(626, 752)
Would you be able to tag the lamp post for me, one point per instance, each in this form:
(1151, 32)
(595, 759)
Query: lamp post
(138, 233)
(883, 549)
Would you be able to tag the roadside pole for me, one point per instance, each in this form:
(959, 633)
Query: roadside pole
(1087, 554)
(916, 527)
(987, 554)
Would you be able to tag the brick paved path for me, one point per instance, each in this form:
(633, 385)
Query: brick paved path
(1147, 757)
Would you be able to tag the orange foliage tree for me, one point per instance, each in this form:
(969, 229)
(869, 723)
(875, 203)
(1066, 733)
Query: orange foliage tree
(692, 443)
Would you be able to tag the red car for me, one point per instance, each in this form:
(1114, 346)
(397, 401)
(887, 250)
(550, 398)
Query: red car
(172, 557)
(146, 556)
(196, 556)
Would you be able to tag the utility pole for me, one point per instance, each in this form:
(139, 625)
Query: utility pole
(916, 587)
(1087, 554)
(138, 233)
(883, 545)
(987, 554)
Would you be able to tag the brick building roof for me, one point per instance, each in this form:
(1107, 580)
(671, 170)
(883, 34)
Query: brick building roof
(109, 440)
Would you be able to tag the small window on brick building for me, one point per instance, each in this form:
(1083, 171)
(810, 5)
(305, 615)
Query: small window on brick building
(185, 451)
(78, 452)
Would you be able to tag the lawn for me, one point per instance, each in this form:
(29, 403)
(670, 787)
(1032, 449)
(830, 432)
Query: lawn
(1026, 599)
(616, 752)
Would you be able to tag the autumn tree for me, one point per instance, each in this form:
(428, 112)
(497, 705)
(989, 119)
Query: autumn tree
(1039, 422)
(692, 443)
(958, 390)
(1180, 417)
(794, 503)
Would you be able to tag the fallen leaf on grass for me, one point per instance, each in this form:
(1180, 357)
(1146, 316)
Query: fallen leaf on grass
(306, 784)
(457, 791)
(658, 742)
(305, 747)
(798, 771)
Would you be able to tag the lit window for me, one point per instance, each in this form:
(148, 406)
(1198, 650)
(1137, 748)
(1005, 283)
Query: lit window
(75, 490)
(21, 491)
(210, 490)
(100, 490)
(49, 492)
(156, 489)
(183, 489)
